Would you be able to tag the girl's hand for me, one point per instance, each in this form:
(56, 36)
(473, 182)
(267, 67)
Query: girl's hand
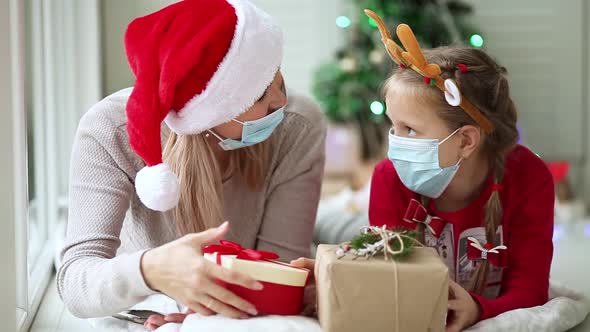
(463, 310)
(155, 321)
(179, 270)
(309, 299)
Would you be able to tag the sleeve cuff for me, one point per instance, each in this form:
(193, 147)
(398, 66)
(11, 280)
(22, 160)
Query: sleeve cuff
(132, 268)
(483, 306)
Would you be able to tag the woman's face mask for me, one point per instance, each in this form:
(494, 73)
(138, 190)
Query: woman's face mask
(253, 132)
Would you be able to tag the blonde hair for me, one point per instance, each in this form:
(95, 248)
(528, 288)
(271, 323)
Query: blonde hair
(192, 159)
(485, 84)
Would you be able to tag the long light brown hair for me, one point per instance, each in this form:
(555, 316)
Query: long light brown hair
(485, 84)
(192, 159)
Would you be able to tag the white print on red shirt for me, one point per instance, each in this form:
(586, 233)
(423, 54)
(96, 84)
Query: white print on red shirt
(462, 270)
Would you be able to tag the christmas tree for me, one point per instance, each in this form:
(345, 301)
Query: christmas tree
(349, 87)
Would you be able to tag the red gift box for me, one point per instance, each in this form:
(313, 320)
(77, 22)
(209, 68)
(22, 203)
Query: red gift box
(284, 284)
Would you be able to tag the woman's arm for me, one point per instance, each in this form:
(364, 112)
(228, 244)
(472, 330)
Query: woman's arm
(291, 205)
(91, 281)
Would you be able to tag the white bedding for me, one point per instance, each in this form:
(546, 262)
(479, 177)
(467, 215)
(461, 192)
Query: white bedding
(565, 310)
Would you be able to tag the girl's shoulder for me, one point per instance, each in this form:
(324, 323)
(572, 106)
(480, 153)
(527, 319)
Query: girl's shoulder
(386, 175)
(524, 165)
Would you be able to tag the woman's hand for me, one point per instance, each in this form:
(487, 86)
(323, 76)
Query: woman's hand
(155, 321)
(463, 310)
(309, 299)
(179, 270)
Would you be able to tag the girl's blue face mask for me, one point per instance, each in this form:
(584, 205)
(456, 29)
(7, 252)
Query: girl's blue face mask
(253, 132)
(417, 165)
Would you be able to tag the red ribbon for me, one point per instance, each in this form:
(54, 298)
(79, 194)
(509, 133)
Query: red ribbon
(497, 256)
(462, 67)
(231, 248)
(417, 213)
(497, 187)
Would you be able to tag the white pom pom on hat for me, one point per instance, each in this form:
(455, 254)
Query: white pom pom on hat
(193, 63)
(157, 187)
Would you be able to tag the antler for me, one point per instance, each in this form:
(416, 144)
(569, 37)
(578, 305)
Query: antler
(393, 49)
(413, 57)
(414, 53)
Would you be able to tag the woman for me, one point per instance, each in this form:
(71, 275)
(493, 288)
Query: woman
(210, 69)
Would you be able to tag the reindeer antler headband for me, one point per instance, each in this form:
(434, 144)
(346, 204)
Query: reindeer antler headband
(414, 58)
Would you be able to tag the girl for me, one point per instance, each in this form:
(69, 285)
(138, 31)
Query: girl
(455, 170)
(233, 150)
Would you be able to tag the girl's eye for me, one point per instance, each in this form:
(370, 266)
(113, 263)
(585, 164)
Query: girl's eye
(411, 132)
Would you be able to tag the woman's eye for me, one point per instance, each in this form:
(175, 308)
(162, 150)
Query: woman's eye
(411, 132)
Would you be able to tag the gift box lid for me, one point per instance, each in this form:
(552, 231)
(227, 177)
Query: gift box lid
(264, 270)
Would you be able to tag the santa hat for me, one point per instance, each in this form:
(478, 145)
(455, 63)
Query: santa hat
(197, 64)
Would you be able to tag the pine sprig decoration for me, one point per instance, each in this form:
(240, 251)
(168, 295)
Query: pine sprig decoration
(371, 242)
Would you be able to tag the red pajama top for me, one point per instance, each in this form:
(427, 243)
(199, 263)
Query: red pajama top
(528, 199)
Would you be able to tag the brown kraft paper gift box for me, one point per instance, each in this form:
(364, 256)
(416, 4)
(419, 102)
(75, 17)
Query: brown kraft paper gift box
(407, 295)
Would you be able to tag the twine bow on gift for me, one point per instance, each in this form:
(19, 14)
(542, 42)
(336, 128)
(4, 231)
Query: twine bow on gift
(417, 213)
(375, 240)
(497, 256)
(231, 248)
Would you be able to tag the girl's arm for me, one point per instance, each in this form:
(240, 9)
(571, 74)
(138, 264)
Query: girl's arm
(526, 280)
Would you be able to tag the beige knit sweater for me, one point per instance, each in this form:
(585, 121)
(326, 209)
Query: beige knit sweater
(109, 228)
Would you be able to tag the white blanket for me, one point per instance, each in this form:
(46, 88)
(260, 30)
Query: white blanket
(565, 310)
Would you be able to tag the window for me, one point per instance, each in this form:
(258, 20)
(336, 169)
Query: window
(49, 57)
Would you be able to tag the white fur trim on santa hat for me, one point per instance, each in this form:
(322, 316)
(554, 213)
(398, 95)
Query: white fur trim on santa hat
(157, 187)
(249, 67)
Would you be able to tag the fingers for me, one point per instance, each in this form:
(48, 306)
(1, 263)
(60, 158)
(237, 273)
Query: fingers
(232, 277)
(455, 305)
(200, 309)
(457, 291)
(227, 297)
(150, 327)
(452, 328)
(210, 236)
(456, 325)
(154, 321)
(222, 308)
(305, 263)
(454, 286)
(458, 318)
(175, 318)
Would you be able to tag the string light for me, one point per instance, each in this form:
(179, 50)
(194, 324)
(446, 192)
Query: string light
(377, 107)
(476, 40)
(343, 22)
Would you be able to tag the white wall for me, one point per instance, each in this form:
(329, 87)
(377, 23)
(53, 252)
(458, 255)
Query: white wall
(544, 46)
(543, 43)
(116, 15)
(310, 37)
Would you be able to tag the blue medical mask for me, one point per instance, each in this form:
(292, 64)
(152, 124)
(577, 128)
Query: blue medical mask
(416, 163)
(253, 132)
